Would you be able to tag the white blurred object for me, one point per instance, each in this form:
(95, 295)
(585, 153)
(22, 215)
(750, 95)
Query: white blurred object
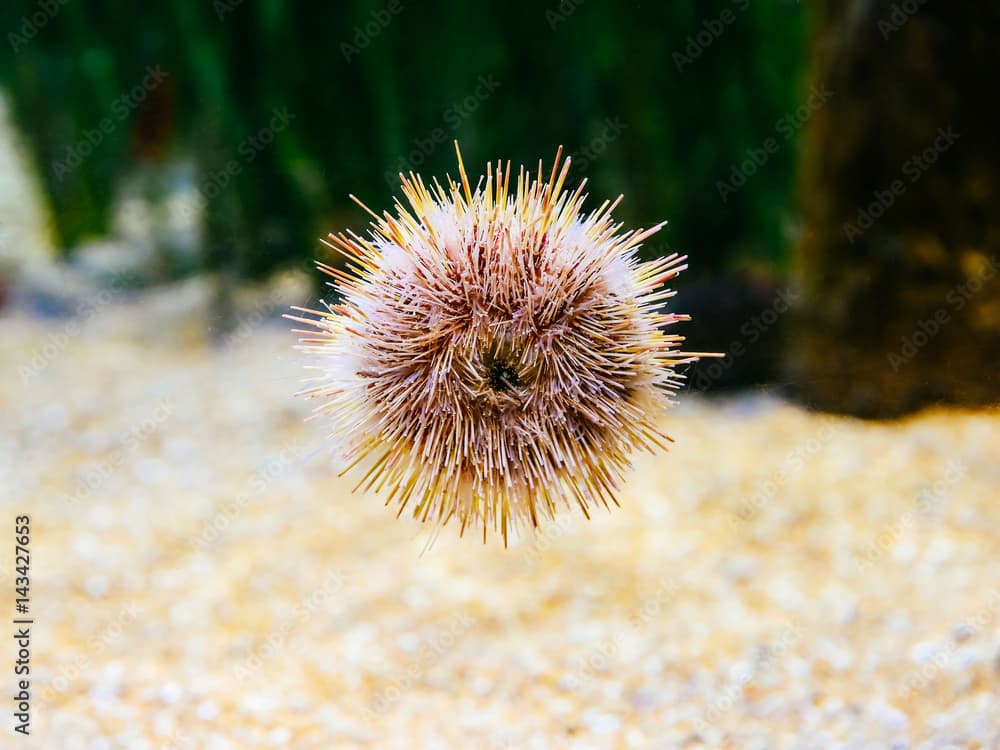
(25, 231)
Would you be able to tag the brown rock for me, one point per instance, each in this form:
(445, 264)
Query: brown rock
(900, 260)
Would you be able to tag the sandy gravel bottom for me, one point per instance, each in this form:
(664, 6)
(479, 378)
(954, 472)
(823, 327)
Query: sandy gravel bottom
(201, 579)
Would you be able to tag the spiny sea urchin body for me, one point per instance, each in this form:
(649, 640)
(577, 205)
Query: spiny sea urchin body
(496, 353)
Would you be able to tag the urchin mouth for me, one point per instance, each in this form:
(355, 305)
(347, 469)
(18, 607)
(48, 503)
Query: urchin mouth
(501, 367)
(502, 376)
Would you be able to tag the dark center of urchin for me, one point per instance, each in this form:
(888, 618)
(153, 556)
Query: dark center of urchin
(502, 376)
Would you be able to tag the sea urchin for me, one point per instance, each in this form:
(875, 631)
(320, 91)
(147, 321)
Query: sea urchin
(494, 355)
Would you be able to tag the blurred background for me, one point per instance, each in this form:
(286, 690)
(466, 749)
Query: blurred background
(828, 160)
(166, 172)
